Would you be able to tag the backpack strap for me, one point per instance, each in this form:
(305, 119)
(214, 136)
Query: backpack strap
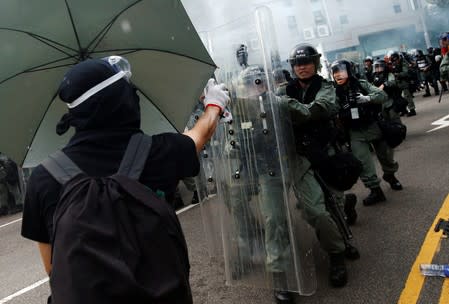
(136, 155)
(61, 167)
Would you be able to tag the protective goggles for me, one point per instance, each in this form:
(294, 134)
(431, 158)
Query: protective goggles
(123, 70)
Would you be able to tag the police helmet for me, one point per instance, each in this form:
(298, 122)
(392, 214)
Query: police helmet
(251, 81)
(342, 65)
(379, 66)
(368, 58)
(394, 56)
(304, 54)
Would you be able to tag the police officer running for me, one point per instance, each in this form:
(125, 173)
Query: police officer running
(312, 105)
(400, 71)
(360, 106)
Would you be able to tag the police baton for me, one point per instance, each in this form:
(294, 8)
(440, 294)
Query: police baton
(441, 94)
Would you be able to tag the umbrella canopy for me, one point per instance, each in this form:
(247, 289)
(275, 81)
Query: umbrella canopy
(42, 39)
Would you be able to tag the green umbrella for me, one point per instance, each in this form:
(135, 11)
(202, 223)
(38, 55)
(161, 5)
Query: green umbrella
(42, 39)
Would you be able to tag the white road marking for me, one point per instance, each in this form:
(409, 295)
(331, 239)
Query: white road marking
(186, 208)
(441, 123)
(12, 222)
(24, 290)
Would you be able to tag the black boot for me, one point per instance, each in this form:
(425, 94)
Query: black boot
(3, 210)
(376, 196)
(412, 112)
(195, 199)
(427, 94)
(178, 203)
(349, 208)
(393, 181)
(15, 209)
(281, 295)
(338, 275)
(351, 253)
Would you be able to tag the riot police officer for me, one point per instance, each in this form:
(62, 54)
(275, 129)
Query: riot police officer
(11, 194)
(385, 80)
(368, 62)
(311, 108)
(401, 72)
(360, 106)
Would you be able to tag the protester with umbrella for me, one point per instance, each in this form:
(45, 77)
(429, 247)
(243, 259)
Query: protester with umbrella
(104, 110)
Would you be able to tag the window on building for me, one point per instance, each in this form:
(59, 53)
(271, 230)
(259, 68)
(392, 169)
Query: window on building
(319, 17)
(397, 8)
(344, 19)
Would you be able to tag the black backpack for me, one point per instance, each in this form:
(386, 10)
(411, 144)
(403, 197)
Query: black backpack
(114, 241)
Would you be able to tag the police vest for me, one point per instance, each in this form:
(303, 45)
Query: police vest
(311, 138)
(352, 114)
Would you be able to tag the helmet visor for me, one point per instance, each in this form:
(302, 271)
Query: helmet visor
(379, 67)
(340, 73)
(302, 60)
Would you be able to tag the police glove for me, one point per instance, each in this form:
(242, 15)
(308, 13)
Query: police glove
(216, 95)
(361, 99)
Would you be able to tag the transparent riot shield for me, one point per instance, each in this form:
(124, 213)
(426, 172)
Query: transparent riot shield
(205, 183)
(265, 240)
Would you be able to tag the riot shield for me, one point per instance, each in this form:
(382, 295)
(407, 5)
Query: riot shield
(265, 240)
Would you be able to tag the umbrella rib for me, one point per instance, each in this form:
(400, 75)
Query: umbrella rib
(38, 68)
(39, 125)
(107, 27)
(81, 51)
(42, 39)
(102, 33)
(45, 42)
(150, 100)
(128, 51)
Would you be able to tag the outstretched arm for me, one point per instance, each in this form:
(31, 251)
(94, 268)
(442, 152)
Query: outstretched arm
(215, 100)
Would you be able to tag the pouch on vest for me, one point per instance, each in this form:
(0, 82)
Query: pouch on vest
(393, 132)
(341, 170)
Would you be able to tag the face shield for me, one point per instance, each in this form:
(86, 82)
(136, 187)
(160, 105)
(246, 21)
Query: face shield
(340, 73)
(123, 70)
(302, 60)
(379, 68)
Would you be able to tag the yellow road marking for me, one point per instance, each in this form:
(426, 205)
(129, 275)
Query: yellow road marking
(444, 298)
(415, 280)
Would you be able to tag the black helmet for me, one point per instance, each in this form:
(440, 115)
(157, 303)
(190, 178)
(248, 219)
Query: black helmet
(394, 56)
(304, 54)
(242, 55)
(379, 66)
(251, 82)
(343, 64)
(252, 75)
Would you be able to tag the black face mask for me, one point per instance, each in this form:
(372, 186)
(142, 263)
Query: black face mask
(114, 107)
